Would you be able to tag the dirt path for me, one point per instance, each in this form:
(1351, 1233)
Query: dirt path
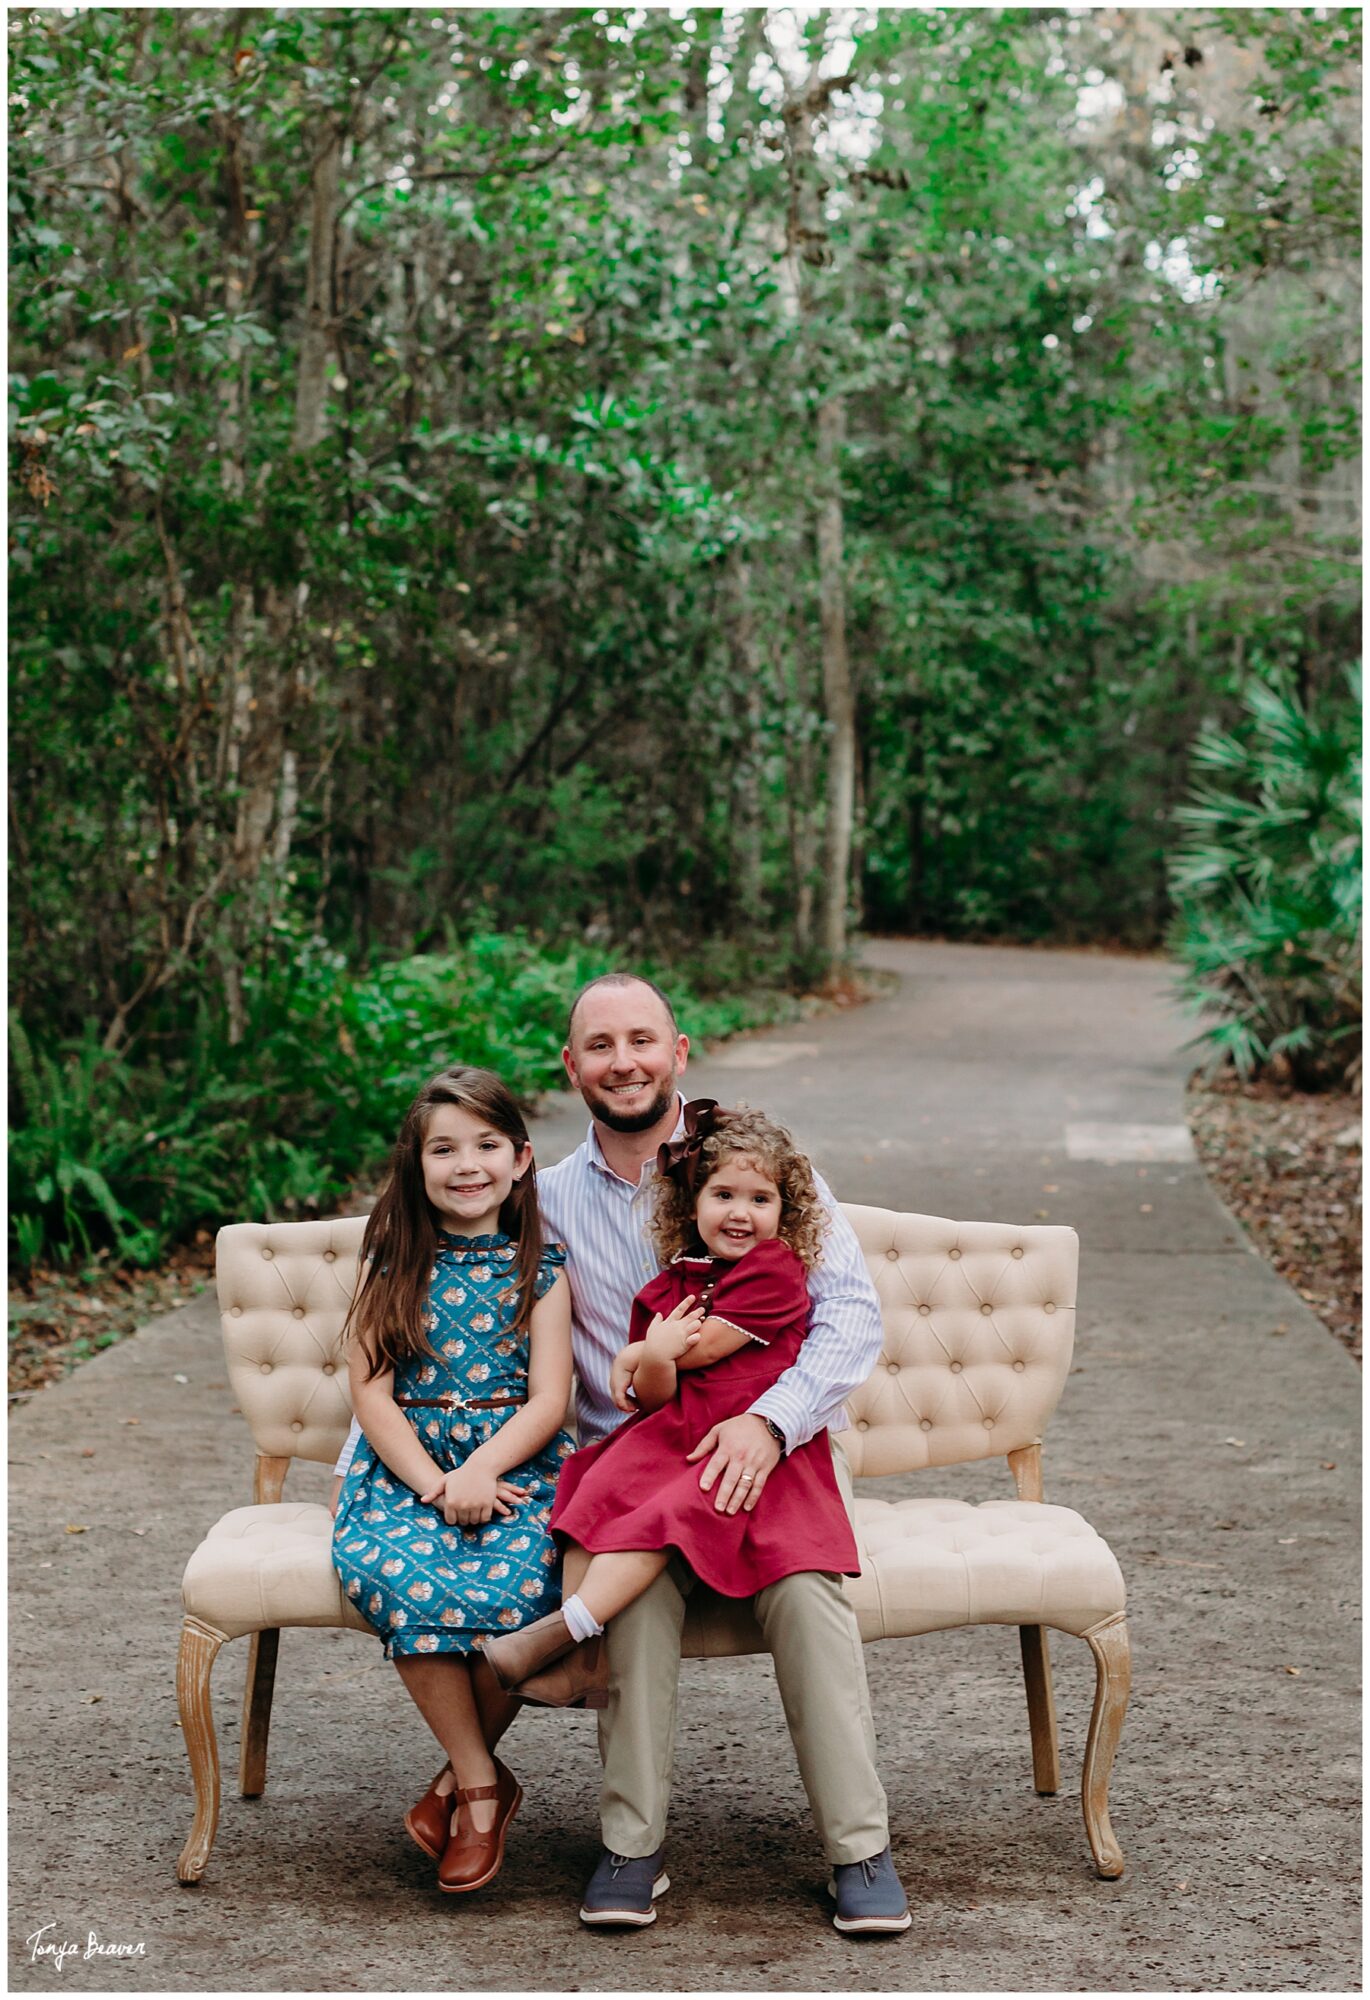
(1209, 1431)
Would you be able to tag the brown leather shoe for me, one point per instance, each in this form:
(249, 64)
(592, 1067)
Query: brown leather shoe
(428, 1822)
(515, 1656)
(579, 1679)
(471, 1859)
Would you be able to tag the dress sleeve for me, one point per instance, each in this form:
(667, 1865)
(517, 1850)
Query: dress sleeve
(656, 1296)
(763, 1293)
(553, 1259)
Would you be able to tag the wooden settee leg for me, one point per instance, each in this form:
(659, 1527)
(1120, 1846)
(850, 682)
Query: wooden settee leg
(195, 1661)
(1113, 1663)
(1046, 1757)
(261, 1683)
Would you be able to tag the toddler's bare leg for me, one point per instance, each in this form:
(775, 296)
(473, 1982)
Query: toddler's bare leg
(612, 1581)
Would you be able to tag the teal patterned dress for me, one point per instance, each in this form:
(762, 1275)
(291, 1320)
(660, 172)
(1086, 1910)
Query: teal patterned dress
(428, 1588)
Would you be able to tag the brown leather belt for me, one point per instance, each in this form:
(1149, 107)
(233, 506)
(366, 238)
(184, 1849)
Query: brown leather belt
(457, 1403)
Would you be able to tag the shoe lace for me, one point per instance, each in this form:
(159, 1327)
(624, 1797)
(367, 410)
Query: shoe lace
(869, 1870)
(618, 1861)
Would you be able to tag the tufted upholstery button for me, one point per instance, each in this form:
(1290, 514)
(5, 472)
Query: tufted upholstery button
(328, 1367)
(268, 1254)
(987, 1309)
(956, 1368)
(266, 1368)
(1048, 1307)
(924, 1311)
(893, 1256)
(298, 1313)
(1018, 1367)
(1016, 1251)
(892, 1367)
(926, 1424)
(953, 1254)
(330, 1256)
(863, 1425)
(237, 1311)
(297, 1425)
(989, 1423)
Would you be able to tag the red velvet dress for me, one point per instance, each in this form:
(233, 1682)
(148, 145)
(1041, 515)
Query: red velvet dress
(636, 1490)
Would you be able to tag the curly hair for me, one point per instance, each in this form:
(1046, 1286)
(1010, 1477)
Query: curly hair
(744, 1134)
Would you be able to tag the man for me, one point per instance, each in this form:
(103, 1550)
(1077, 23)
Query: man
(625, 1056)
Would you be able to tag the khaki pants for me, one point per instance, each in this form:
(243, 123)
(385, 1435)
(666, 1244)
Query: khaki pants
(811, 1634)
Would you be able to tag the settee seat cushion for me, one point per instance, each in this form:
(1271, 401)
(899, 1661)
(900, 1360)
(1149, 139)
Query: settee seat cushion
(926, 1565)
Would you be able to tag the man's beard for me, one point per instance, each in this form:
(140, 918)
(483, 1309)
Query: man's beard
(607, 1112)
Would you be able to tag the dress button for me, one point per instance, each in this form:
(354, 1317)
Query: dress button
(297, 1426)
(1015, 1253)
(1048, 1307)
(987, 1310)
(1018, 1367)
(953, 1254)
(989, 1423)
(925, 1425)
(956, 1368)
(266, 1368)
(298, 1313)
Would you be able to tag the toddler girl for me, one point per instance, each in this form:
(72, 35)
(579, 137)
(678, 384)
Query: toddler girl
(738, 1223)
(460, 1367)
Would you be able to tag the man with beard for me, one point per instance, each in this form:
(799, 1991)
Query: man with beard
(625, 1056)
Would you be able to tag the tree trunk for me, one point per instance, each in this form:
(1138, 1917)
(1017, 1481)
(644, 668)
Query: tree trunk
(745, 656)
(312, 381)
(839, 704)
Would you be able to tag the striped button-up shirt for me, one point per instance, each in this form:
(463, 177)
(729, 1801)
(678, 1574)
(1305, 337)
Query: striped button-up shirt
(602, 1220)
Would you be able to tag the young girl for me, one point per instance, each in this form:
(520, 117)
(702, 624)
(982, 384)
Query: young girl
(460, 1368)
(738, 1223)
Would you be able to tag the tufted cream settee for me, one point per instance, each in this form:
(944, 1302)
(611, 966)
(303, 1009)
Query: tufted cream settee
(979, 1326)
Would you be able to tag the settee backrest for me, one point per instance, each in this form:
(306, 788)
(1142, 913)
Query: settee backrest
(979, 1324)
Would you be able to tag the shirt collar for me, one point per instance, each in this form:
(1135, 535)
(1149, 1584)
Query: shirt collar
(596, 1157)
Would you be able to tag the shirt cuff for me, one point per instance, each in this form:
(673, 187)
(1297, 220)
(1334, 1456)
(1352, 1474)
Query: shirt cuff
(785, 1410)
(741, 1329)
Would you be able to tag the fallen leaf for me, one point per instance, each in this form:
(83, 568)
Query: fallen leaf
(1237, 1441)
(86, 1699)
(1042, 1214)
(72, 1530)
(137, 1531)
(1329, 1465)
(88, 1452)
(1050, 1187)
(133, 1420)
(1296, 1671)
(1145, 1208)
(180, 1378)
(1285, 1540)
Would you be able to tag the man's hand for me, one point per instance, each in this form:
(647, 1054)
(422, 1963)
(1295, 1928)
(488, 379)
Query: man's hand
(678, 1331)
(744, 1457)
(470, 1495)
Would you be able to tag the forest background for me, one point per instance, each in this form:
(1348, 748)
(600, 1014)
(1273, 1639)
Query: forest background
(498, 493)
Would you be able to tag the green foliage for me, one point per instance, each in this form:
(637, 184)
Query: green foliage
(1267, 883)
(107, 1151)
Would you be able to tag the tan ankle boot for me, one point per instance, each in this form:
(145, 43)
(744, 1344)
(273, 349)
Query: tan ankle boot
(513, 1656)
(579, 1679)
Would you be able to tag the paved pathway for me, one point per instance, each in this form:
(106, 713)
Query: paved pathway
(1209, 1430)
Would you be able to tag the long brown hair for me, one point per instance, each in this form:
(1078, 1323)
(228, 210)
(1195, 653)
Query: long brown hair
(401, 1239)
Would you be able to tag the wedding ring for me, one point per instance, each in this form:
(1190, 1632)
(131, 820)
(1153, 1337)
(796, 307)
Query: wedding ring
(748, 1475)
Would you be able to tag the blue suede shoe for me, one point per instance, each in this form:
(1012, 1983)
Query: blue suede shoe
(621, 1890)
(868, 1895)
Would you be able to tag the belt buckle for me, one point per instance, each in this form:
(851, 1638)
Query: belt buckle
(452, 1402)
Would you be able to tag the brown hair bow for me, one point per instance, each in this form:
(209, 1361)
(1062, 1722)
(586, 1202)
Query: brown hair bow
(681, 1158)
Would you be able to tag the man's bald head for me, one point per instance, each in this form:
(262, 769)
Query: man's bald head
(619, 979)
